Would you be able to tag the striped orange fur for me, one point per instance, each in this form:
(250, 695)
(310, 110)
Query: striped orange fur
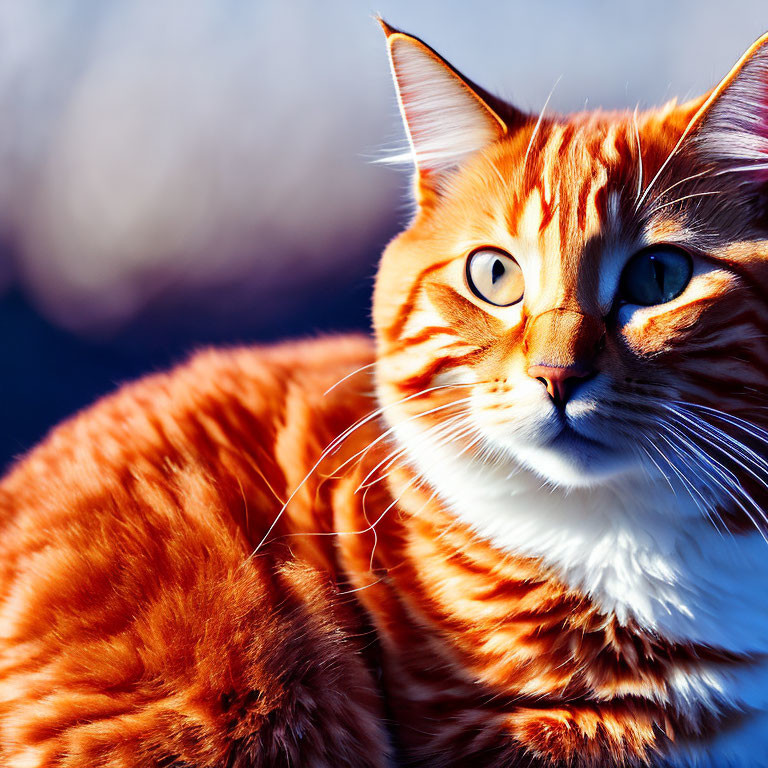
(524, 532)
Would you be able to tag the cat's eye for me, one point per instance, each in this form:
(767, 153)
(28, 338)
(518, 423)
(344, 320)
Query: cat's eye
(495, 277)
(655, 275)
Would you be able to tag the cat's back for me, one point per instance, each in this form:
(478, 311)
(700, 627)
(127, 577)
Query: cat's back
(223, 439)
(129, 594)
(219, 409)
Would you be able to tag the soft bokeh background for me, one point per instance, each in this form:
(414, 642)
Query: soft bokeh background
(175, 173)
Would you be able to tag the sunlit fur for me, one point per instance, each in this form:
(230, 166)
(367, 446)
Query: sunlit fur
(326, 554)
(651, 502)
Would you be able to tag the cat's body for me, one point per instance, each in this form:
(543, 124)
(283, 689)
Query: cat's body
(136, 625)
(524, 530)
(141, 631)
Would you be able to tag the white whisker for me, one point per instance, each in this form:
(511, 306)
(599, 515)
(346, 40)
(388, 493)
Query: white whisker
(677, 200)
(701, 462)
(348, 376)
(336, 442)
(744, 450)
(639, 157)
(705, 505)
(661, 471)
(722, 477)
(538, 125)
(682, 181)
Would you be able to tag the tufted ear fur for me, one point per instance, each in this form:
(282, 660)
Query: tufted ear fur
(731, 127)
(728, 135)
(446, 117)
(717, 173)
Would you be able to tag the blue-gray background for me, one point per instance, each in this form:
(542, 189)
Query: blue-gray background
(175, 173)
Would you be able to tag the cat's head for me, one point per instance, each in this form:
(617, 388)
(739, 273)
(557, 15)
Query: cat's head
(575, 293)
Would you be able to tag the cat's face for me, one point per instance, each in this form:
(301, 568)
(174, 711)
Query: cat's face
(574, 293)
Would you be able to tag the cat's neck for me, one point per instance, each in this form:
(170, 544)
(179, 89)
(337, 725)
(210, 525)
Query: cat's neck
(639, 550)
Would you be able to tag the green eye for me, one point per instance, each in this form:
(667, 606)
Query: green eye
(655, 275)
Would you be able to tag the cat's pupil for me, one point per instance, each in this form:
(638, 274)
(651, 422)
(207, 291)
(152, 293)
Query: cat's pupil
(658, 272)
(497, 270)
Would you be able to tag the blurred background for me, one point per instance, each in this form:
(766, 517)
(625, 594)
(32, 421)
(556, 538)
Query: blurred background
(178, 173)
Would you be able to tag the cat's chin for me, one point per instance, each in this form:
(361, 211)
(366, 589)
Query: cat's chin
(572, 460)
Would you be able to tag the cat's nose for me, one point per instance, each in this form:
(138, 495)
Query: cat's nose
(560, 381)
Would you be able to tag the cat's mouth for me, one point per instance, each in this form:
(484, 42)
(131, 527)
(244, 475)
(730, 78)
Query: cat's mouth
(573, 446)
(568, 439)
(572, 458)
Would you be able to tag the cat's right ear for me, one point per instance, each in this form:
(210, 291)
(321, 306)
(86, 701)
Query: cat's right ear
(446, 117)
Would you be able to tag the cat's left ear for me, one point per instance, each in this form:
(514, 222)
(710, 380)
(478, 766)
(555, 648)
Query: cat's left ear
(730, 130)
(446, 117)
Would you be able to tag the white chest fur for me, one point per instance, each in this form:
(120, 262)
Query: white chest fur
(642, 552)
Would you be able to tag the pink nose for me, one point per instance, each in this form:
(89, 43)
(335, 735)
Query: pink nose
(558, 381)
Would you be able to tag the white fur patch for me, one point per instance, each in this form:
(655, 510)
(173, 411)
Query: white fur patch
(641, 551)
(635, 547)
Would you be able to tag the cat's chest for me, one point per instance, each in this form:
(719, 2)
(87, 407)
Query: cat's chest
(694, 585)
(499, 652)
(641, 553)
(510, 622)
(546, 605)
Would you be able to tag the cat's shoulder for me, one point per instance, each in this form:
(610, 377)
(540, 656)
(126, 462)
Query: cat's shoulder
(311, 366)
(215, 395)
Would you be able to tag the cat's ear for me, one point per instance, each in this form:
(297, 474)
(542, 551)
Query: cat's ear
(447, 118)
(730, 130)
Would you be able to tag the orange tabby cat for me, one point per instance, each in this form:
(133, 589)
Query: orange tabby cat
(543, 547)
